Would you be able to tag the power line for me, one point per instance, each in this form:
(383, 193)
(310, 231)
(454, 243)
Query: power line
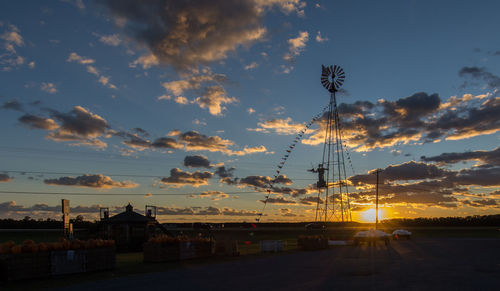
(124, 194)
(105, 174)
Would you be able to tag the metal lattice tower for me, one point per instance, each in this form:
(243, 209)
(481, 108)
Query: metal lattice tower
(333, 193)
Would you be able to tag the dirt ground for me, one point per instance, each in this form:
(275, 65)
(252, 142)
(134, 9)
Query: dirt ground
(417, 264)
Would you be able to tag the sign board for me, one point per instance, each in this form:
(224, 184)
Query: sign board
(65, 206)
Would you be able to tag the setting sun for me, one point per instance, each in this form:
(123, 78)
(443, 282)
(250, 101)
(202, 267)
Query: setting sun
(369, 215)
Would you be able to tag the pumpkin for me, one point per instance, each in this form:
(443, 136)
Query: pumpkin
(16, 249)
(4, 249)
(43, 247)
(9, 243)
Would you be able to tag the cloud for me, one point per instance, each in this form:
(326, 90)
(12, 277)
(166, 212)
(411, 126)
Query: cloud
(488, 157)
(92, 70)
(407, 171)
(5, 178)
(194, 141)
(10, 39)
(13, 105)
(91, 181)
(213, 98)
(104, 80)
(480, 203)
(222, 172)
(214, 195)
(197, 162)
(112, 39)
(179, 178)
(48, 87)
(189, 141)
(146, 61)
(279, 200)
(251, 66)
(81, 122)
(296, 46)
(186, 34)
(74, 57)
(79, 125)
(480, 74)
(238, 212)
(310, 200)
(250, 110)
(167, 143)
(319, 38)
(279, 126)
(418, 118)
(38, 122)
(194, 81)
(203, 211)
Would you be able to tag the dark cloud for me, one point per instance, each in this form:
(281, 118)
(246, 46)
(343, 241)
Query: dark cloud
(140, 131)
(13, 105)
(278, 200)
(420, 198)
(222, 172)
(188, 141)
(209, 210)
(166, 143)
(81, 121)
(79, 125)
(310, 200)
(420, 117)
(485, 175)
(480, 74)
(480, 203)
(264, 181)
(12, 207)
(407, 171)
(179, 178)
(185, 34)
(5, 178)
(38, 122)
(488, 157)
(93, 181)
(197, 162)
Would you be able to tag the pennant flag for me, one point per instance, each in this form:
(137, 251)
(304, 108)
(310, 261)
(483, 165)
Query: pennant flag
(254, 226)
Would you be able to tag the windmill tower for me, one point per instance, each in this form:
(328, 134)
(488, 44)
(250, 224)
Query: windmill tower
(333, 194)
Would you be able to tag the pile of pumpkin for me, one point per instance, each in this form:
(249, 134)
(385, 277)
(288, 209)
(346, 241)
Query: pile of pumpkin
(29, 246)
(168, 240)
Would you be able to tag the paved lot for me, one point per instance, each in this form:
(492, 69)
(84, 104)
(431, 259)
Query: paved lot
(421, 264)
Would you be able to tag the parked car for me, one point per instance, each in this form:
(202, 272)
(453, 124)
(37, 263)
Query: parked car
(316, 225)
(400, 234)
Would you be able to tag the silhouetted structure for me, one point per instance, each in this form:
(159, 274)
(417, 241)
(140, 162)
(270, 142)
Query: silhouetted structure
(130, 229)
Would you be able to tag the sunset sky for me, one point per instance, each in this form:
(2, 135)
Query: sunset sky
(191, 105)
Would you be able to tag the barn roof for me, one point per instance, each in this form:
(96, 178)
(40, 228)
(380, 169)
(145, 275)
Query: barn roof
(129, 216)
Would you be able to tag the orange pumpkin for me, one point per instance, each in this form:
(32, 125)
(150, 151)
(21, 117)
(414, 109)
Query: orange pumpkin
(43, 247)
(16, 249)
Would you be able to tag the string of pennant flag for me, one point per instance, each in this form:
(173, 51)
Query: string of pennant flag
(285, 157)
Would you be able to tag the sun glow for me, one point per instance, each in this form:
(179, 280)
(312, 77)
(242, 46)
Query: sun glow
(369, 215)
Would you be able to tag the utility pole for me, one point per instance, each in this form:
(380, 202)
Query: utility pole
(376, 199)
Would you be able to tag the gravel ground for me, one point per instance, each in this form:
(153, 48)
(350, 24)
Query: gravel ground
(420, 264)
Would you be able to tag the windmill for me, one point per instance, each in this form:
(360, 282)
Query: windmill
(333, 203)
